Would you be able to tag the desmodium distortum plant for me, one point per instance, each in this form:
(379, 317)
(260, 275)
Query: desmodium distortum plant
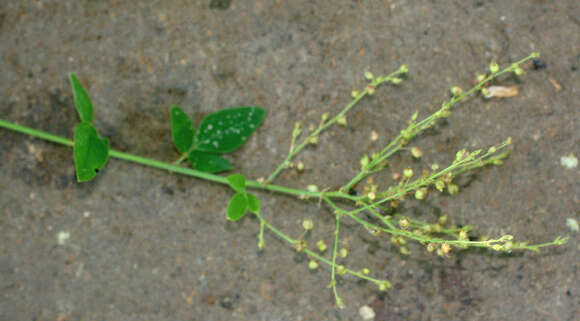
(224, 131)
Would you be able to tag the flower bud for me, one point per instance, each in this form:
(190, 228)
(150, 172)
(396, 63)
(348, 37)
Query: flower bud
(300, 166)
(396, 81)
(343, 252)
(493, 67)
(452, 189)
(313, 265)
(322, 246)
(416, 152)
(421, 193)
(308, 224)
(369, 76)
(456, 90)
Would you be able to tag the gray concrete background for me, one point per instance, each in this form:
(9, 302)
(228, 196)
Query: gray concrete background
(148, 245)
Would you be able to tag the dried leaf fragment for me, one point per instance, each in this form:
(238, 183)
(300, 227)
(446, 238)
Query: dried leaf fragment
(502, 91)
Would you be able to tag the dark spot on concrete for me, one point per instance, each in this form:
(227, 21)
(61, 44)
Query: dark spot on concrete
(539, 64)
(220, 4)
(62, 181)
(167, 190)
(229, 301)
(299, 257)
(127, 68)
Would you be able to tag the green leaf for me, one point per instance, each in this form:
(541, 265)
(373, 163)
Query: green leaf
(237, 182)
(81, 98)
(253, 203)
(207, 162)
(226, 130)
(182, 130)
(237, 207)
(90, 152)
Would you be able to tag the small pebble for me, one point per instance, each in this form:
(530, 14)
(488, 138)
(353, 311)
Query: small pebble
(367, 313)
(62, 237)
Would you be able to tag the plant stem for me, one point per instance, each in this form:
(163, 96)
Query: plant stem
(334, 253)
(415, 129)
(295, 150)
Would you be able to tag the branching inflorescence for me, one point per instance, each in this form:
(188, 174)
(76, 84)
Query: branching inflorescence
(226, 130)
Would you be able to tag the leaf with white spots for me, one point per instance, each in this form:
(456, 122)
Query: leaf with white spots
(226, 130)
(208, 162)
(182, 130)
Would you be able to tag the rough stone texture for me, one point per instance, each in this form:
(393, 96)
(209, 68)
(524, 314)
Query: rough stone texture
(148, 245)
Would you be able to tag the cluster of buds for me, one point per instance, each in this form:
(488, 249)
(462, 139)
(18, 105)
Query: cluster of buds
(370, 189)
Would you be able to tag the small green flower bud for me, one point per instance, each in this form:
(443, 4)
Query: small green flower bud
(371, 90)
(404, 250)
(372, 195)
(300, 166)
(313, 140)
(300, 245)
(493, 67)
(443, 113)
(431, 247)
(396, 81)
(440, 185)
(364, 161)
(421, 193)
(496, 247)
(408, 172)
(481, 77)
(383, 287)
(456, 90)
(404, 222)
(354, 93)
(414, 116)
(445, 248)
(324, 117)
(340, 269)
(343, 252)
(518, 71)
(442, 220)
(313, 265)
(434, 167)
(416, 152)
(404, 69)
(297, 129)
(460, 155)
(341, 120)
(452, 189)
(463, 235)
(486, 92)
(365, 271)
(308, 224)
(312, 188)
(322, 246)
(492, 150)
(369, 76)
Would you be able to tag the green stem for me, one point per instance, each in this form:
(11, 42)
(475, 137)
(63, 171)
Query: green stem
(163, 165)
(334, 254)
(415, 128)
(324, 125)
